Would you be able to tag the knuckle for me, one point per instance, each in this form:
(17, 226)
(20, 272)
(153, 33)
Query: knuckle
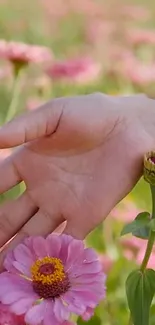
(6, 227)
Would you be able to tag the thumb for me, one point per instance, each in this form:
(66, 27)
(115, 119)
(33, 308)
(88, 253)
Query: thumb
(32, 125)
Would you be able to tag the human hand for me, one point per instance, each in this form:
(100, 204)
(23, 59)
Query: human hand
(78, 158)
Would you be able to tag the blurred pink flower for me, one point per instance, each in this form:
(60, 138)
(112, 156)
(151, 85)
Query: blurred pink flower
(47, 280)
(134, 250)
(22, 53)
(132, 245)
(125, 211)
(141, 36)
(78, 70)
(97, 30)
(5, 72)
(135, 71)
(139, 73)
(106, 262)
(8, 318)
(151, 262)
(33, 103)
(135, 12)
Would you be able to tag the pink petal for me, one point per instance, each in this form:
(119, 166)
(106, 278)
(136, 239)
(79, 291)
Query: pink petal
(49, 318)
(22, 306)
(65, 242)
(36, 314)
(97, 288)
(90, 255)
(14, 283)
(13, 296)
(89, 268)
(53, 245)
(23, 255)
(61, 312)
(8, 318)
(8, 261)
(83, 279)
(73, 258)
(39, 246)
(74, 305)
(87, 298)
(88, 314)
(23, 269)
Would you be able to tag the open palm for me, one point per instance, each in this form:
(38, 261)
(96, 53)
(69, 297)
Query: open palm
(78, 158)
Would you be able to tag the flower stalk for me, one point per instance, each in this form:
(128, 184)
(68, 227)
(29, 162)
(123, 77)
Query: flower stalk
(16, 89)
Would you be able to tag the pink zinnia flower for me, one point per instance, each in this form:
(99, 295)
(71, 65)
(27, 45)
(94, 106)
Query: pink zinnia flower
(106, 262)
(141, 36)
(78, 70)
(135, 12)
(49, 278)
(134, 250)
(22, 53)
(8, 318)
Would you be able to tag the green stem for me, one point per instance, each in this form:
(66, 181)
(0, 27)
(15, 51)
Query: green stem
(153, 200)
(151, 241)
(151, 236)
(15, 96)
(148, 251)
(130, 321)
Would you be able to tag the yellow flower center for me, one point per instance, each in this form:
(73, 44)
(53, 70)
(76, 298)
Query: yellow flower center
(48, 270)
(49, 277)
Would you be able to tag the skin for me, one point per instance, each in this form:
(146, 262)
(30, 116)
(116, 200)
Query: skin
(78, 158)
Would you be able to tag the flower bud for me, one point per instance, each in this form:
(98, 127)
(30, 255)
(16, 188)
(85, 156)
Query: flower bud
(149, 167)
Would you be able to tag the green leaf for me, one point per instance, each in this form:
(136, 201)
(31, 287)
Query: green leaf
(95, 320)
(140, 289)
(138, 227)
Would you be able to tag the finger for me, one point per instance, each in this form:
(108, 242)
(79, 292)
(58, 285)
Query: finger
(77, 230)
(9, 175)
(40, 224)
(32, 125)
(13, 216)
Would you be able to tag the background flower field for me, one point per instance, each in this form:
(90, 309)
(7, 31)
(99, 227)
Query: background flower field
(88, 46)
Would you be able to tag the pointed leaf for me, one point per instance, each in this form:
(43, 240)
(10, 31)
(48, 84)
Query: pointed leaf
(138, 227)
(140, 289)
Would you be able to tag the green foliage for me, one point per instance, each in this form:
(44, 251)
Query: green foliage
(140, 289)
(140, 227)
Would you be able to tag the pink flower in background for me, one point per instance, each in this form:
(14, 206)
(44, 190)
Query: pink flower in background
(141, 36)
(125, 211)
(135, 12)
(49, 278)
(8, 318)
(151, 262)
(33, 103)
(106, 262)
(22, 53)
(134, 250)
(140, 73)
(135, 71)
(131, 247)
(78, 70)
(99, 29)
